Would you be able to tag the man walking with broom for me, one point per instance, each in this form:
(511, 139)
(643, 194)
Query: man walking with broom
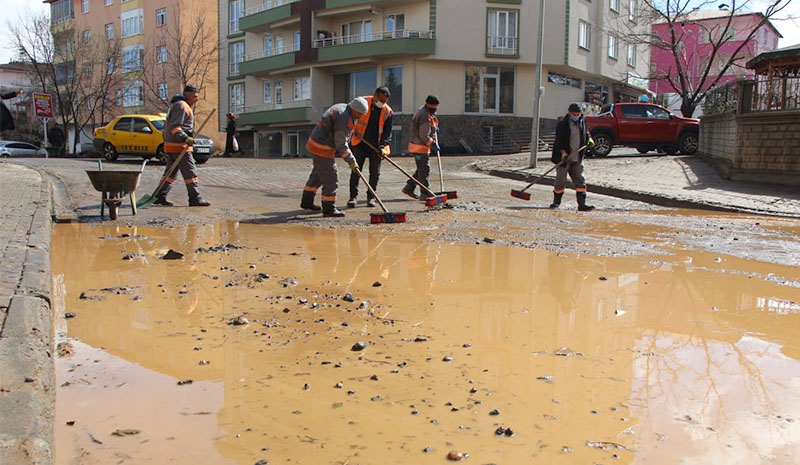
(424, 126)
(331, 137)
(179, 137)
(375, 128)
(569, 148)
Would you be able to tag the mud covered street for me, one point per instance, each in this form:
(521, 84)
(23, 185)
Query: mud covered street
(493, 330)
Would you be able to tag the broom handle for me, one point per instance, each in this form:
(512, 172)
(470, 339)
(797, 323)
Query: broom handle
(539, 178)
(180, 157)
(439, 162)
(374, 149)
(358, 171)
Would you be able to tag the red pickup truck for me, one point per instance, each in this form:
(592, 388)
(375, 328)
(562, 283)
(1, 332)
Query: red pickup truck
(644, 126)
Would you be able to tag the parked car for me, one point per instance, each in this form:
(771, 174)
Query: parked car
(10, 148)
(644, 126)
(141, 135)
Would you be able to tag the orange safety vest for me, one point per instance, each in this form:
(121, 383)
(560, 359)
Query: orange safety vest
(361, 123)
(414, 145)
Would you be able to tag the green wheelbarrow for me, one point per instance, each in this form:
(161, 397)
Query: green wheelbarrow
(114, 186)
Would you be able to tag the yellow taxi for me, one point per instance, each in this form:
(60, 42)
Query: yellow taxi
(141, 135)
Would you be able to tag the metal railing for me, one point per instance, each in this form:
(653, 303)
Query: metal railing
(722, 99)
(502, 45)
(776, 94)
(267, 5)
(233, 26)
(276, 106)
(272, 52)
(233, 69)
(386, 35)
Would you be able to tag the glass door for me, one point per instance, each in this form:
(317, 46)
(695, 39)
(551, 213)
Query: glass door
(490, 100)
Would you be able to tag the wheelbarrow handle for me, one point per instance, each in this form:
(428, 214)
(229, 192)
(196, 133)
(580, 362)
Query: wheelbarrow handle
(143, 165)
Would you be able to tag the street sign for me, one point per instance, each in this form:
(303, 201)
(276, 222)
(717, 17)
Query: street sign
(43, 104)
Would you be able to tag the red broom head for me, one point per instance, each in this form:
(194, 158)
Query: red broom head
(433, 201)
(378, 218)
(520, 195)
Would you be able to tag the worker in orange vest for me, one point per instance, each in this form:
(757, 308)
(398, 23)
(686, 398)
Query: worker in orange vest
(375, 127)
(424, 129)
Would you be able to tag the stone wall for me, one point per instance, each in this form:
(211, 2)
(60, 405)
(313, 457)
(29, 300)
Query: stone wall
(759, 147)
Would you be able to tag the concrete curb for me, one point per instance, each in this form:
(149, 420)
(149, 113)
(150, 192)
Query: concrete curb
(27, 379)
(647, 197)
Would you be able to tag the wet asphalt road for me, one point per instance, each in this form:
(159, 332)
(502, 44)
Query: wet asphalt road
(268, 191)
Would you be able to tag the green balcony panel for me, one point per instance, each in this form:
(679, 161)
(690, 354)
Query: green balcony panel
(261, 65)
(262, 19)
(341, 3)
(284, 115)
(377, 48)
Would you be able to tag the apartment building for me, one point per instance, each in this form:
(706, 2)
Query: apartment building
(144, 48)
(283, 62)
(695, 31)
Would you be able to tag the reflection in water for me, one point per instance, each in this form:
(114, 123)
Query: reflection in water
(684, 359)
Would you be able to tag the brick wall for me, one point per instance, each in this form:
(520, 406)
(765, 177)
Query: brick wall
(760, 147)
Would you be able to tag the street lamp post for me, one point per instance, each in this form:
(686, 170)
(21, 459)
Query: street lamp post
(537, 91)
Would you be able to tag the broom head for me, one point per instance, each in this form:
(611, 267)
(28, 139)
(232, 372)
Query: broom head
(520, 194)
(388, 217)
(451, 195)
(436, 200)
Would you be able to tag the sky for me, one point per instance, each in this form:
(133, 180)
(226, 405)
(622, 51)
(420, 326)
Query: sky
(13, 9)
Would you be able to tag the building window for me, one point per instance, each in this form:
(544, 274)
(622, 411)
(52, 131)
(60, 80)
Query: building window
(132, 58)
(235, 57)
(132, 22)
(61, 10)
(269, 49)
(109, 2)
(87, 70)
(110, 66)
(163, 91)
(613, 5)
(584, 35)
(236, 95)
(118, 98)
(356, 31)
(489, 89)
(631, 54)
(87, 37)
(161, 17)
(161, 54)
(278, 91)
(297, 41)
(236, 13)
(267, 92)
(395, 24)
(302, 88)
(84, 6)
(110, 31)
(350, 85)
(563, 80)
(393, 80)
(632, 9)
(612, 46)
(596, 94)
(279, 45)
(501, 32)
(132, 94)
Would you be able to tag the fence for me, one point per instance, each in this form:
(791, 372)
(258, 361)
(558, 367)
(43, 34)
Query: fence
(754, 96)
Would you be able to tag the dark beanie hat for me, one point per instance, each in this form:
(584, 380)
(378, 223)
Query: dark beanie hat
(432, 99)
(190, 88)
(574, 107)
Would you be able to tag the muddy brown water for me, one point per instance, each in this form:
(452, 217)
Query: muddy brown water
(686, 356)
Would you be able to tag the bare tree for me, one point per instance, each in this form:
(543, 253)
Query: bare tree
(80, 71)
(185, 51)
(692, 74)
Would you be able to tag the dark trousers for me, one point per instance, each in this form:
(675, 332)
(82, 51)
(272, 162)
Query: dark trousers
(188, 170)
(362, 154)
(422, 173)
(228, 144)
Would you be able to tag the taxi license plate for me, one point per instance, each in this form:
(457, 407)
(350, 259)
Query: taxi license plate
(203, 150)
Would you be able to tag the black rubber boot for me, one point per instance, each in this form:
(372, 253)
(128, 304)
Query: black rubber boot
(307, 203)
(582, 207)
(198, 202)
(162, 200)
(556, 200)
(329, 209)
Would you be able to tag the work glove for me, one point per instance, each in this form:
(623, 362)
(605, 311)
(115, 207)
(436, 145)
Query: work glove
(436, 147)
(353, 165)
(189, 141)
(351, 162)
(563, 155)
(385, 150)
(590, 144)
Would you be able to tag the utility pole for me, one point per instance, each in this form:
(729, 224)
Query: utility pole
(537, 91)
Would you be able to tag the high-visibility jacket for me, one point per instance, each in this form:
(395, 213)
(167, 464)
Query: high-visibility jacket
(179, 125)
(423, 131)
(331, 135)
(361, 123)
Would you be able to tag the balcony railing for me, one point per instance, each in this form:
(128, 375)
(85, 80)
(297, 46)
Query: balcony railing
(272, 52)
(233, 69)
(267, 5)
(358, 38)
(234, 26)
(502, 45)
(276, 106)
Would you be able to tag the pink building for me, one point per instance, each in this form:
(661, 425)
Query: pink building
(692, 36)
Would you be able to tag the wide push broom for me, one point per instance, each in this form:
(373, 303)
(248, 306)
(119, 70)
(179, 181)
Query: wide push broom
(148, 199)
(429, 202)
(386, 216)
(521, 194)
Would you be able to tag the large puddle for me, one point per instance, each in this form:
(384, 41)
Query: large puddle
(688, 357)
